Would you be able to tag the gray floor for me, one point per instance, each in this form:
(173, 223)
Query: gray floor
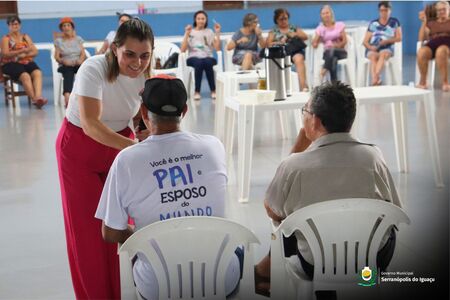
(33, 260)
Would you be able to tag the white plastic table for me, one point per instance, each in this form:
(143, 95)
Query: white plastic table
(227, 85)
(246, 126)
(397, 96)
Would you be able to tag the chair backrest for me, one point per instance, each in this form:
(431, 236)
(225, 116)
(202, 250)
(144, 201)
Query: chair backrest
(190, 255)
(227, 58)
(163, 50)
(344, 235)
(397, 62)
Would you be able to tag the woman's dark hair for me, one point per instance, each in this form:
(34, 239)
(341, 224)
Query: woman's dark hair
(278, 12)
(430, 12)
(12, 19)
(335, 105)
(124, 15)
(195, 16)
(249, 19)
(386, 4)
(133, 28)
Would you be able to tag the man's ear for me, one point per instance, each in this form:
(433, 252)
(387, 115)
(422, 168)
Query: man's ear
(317, 123)
(144, 112)
(185, 109)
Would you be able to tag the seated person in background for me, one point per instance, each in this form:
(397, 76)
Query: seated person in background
(380, 38)
(332, 35)
(200, 42)
(69, 54)
(139, 188)
(281, 33)
(326, 149)
(110, 37)
(435, 33)
(245, 43)
(18, 51)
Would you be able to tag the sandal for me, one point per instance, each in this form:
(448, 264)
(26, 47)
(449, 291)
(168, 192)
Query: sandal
(262, 284)
(40, 102)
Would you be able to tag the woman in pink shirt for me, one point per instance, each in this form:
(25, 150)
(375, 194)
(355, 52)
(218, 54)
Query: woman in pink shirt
(332, 35)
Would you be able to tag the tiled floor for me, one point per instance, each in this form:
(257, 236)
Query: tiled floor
(33, 260)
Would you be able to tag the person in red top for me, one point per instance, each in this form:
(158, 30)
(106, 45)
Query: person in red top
(18, 51)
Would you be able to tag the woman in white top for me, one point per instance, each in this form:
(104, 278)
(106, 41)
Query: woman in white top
(110, 37)
(104, 100)
(200, 41)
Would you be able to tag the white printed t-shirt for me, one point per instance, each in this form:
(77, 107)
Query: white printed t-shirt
(166, 176)
(120, 99)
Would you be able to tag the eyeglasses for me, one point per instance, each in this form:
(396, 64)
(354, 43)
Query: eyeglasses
(14, 24)
(283, 19)
(304, 109)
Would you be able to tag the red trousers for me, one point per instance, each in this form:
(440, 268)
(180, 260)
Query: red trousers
(83, 166)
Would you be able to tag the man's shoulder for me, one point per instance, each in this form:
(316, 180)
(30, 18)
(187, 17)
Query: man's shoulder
(203, 138)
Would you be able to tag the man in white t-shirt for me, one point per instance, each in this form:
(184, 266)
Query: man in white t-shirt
(170, 174)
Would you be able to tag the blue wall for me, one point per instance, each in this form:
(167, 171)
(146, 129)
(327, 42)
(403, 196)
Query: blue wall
(305, 15)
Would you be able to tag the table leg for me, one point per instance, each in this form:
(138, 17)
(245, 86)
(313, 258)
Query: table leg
(404, 134)
(398, 137)
(298, 122)
(246, 116)
(219, 109)
(229, 130)
(283, 124)
(432, 139)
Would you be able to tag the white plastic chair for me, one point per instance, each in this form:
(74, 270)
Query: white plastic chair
(392, 67)
(344, 237)
(190, 256)
(346, 66)
(188, 73)
(97, 45)
(58, 78)
(162, 51)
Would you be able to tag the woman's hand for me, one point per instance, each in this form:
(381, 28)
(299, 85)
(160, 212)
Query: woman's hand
(291, 35)
(242, 40)
(258, 31)
(422, 16)
(372, 48)
(188, 29)
(141, 134)
(217, 28)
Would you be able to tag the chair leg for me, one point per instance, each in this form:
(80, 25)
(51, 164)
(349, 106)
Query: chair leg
(5, 87)
(13, 98)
